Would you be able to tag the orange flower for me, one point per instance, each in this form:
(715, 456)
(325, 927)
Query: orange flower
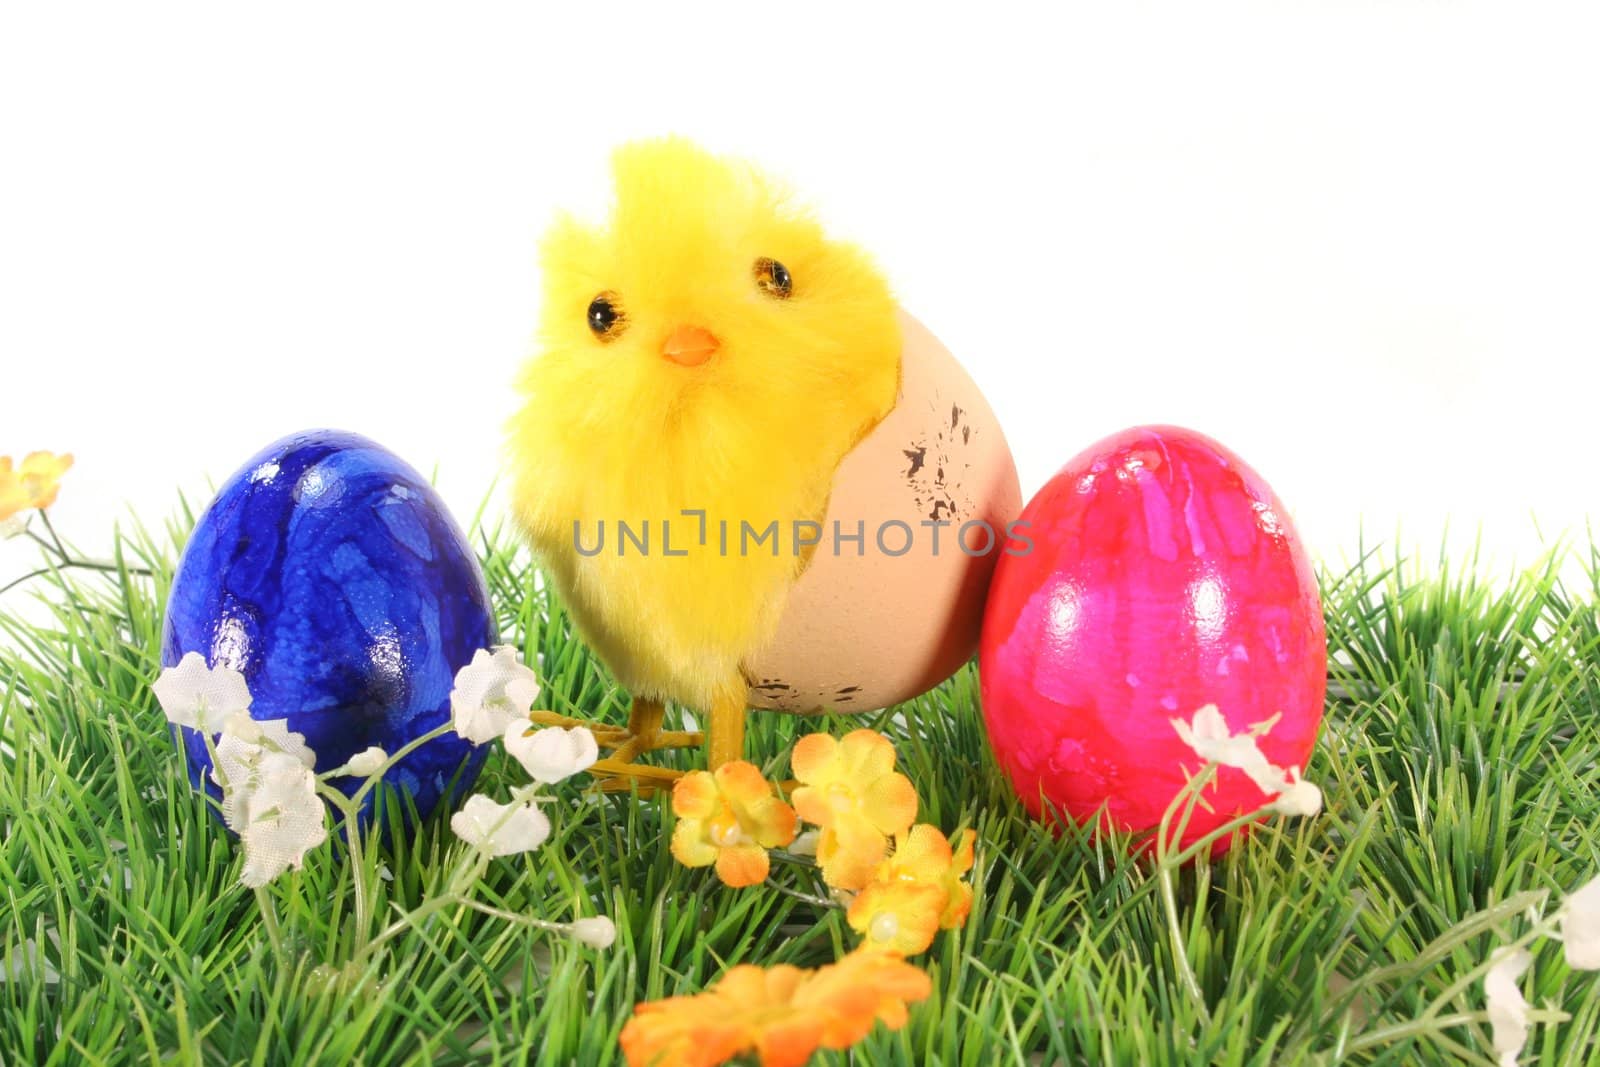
(850, 789)
(782, 1014)
(696, 1031)
(38, 480)
(837, 993)
(915, 892)
(729, 817)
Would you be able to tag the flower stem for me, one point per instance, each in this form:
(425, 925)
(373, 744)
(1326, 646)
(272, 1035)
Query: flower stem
(395, 757)
(97, 565)
(511, 916)
(411, 919)
(358, 877)
(465, 875)
(349, 809)
(269, 920)
(1427, 1024)
(1166, 863)
(71, 564)
(820, 902)
(55, 538)
(1191, 983)
(1441, 947)
(1540, 929)
(1204, 844)
(64, 559)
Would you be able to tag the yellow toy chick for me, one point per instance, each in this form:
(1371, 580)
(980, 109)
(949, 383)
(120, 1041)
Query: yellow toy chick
(706, 360)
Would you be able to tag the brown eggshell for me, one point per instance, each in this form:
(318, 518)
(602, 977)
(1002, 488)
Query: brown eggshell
(862, 632)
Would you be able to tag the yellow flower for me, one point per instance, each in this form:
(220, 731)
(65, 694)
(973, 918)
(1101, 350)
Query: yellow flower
(782, 1014)
(35, 482)
(850, 789)
(960, 905)
(13, 498)
(898, 917)
(915, 892)
(729, 817)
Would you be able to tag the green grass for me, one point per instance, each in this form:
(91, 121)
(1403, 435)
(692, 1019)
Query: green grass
(1459, 760)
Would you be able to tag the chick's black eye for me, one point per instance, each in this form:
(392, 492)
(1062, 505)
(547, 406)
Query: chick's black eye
(773, 278)
(605, 319)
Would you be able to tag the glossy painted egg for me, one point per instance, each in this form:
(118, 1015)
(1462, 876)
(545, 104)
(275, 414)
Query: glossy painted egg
(1165, 575)
(329, 573)
(932, 489)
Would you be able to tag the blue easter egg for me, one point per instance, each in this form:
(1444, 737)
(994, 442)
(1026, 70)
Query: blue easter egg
(328, 572)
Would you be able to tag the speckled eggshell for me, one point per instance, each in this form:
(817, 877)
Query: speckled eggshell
(1165, 576)
(330, 574)
(864, 631)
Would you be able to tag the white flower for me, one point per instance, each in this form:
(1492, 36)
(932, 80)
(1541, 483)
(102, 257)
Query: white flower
(1270, 778)
(240, 750)
(200, 697)
(1212, 741)
(1508, 1011)
(269, 795)
(1580, 927)
(1302, 798)
(500, 829)
(554, 753)
(491, 691)
(366, 763)
(243, 746)
(283, 818)
(600, 932)
(242, 727)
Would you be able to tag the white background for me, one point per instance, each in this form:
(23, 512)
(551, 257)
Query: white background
(1358, 244)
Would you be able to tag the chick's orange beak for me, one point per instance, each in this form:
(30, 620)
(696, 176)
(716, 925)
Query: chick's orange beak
(690, 346)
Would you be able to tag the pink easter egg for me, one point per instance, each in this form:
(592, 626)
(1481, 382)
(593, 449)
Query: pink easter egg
(1163, 575)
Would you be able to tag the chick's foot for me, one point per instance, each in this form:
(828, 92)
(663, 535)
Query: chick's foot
(606, 735)
(621, 771)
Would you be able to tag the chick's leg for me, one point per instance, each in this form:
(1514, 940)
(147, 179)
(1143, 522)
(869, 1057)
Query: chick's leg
(643, 734)
(606, 735)
(727, 727)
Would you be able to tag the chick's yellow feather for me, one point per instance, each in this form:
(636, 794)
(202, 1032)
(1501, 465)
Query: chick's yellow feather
(612, 432)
